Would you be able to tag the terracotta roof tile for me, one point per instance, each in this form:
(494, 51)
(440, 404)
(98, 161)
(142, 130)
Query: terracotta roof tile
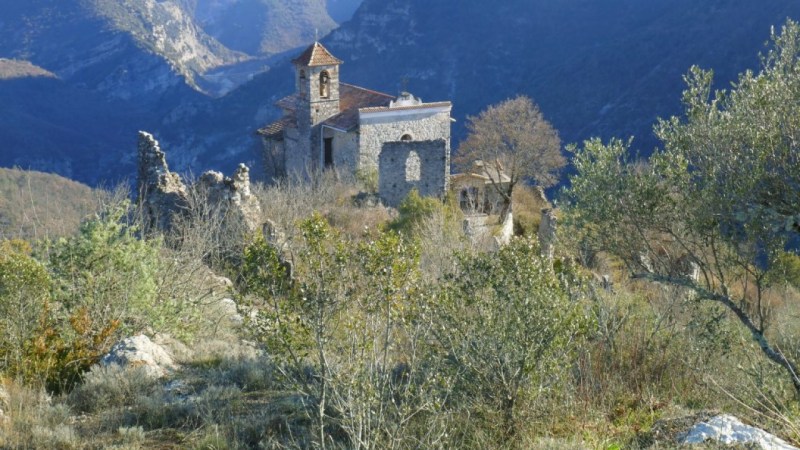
(276, 127)
(351, 99)
(316, 55)
(290, 102)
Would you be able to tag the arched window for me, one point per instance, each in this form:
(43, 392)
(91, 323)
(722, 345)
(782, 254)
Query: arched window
(407, 137)
(413, 169)
(324, 84)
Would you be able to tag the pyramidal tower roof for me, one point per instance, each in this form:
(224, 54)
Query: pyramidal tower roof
(316, 55)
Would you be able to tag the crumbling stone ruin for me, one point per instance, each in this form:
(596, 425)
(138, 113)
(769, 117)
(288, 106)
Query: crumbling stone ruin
(547, 233)
(163, 196)
(420, 165)
(232, 195)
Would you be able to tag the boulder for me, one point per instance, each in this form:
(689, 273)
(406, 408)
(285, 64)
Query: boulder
(729, 430)
(140, 351)
(3, 402)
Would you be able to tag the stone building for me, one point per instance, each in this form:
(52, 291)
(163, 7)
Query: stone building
(328, 124)
(477, 189)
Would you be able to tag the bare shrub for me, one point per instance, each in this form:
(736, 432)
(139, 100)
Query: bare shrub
(34, 421)
(110, 387)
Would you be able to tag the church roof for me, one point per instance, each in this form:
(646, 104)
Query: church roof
(351, 99)
(316, 55)
(277, 127)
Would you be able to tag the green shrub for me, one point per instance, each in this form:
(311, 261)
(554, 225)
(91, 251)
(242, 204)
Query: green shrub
(508, 325)
(414, 209)
(368, 179)
(24, 301)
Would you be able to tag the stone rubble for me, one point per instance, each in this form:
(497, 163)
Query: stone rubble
(729, 430)
(140, 351)
(547, 233)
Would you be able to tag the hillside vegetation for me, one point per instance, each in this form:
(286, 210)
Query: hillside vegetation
(36, 205)
(671, 295)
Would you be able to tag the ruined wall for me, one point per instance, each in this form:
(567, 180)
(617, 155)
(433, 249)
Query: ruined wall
(161, 193)
(548, 228)
(403, 166)
(231, 197)
(422, 126)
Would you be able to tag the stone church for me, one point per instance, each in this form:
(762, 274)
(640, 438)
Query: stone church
(328, 124)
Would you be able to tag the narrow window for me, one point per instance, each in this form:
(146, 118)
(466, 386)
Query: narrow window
(324, 84)
(302, 74)
(328, 152)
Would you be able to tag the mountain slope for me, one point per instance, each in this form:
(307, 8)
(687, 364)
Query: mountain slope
(38, 205)
(118, 66)
(121, 48)
(596, 67)
(264, 27)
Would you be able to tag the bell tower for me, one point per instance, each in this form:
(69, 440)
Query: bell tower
(317, 85)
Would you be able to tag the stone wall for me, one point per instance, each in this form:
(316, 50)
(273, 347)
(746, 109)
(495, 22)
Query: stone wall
(421, 126)
(403, 166)
(297, 154)
(345, 151)
(274, 154)
(548, 228)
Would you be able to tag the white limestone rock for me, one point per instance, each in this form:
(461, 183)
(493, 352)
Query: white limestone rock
(729, 430)
(3, 403)
(140, 351)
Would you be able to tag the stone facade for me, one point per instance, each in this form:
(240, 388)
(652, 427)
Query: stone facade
(378, 128)
(328, 124)
(420, 165)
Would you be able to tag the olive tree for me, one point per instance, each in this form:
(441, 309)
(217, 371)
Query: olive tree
(512, 137)
(719, 205)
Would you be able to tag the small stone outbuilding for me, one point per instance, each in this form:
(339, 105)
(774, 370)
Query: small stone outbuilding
(477, 189)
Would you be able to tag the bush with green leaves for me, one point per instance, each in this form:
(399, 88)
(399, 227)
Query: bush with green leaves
(508, 325)
(716, 209)
(24, 303)
(346, 334)
(107, 270)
